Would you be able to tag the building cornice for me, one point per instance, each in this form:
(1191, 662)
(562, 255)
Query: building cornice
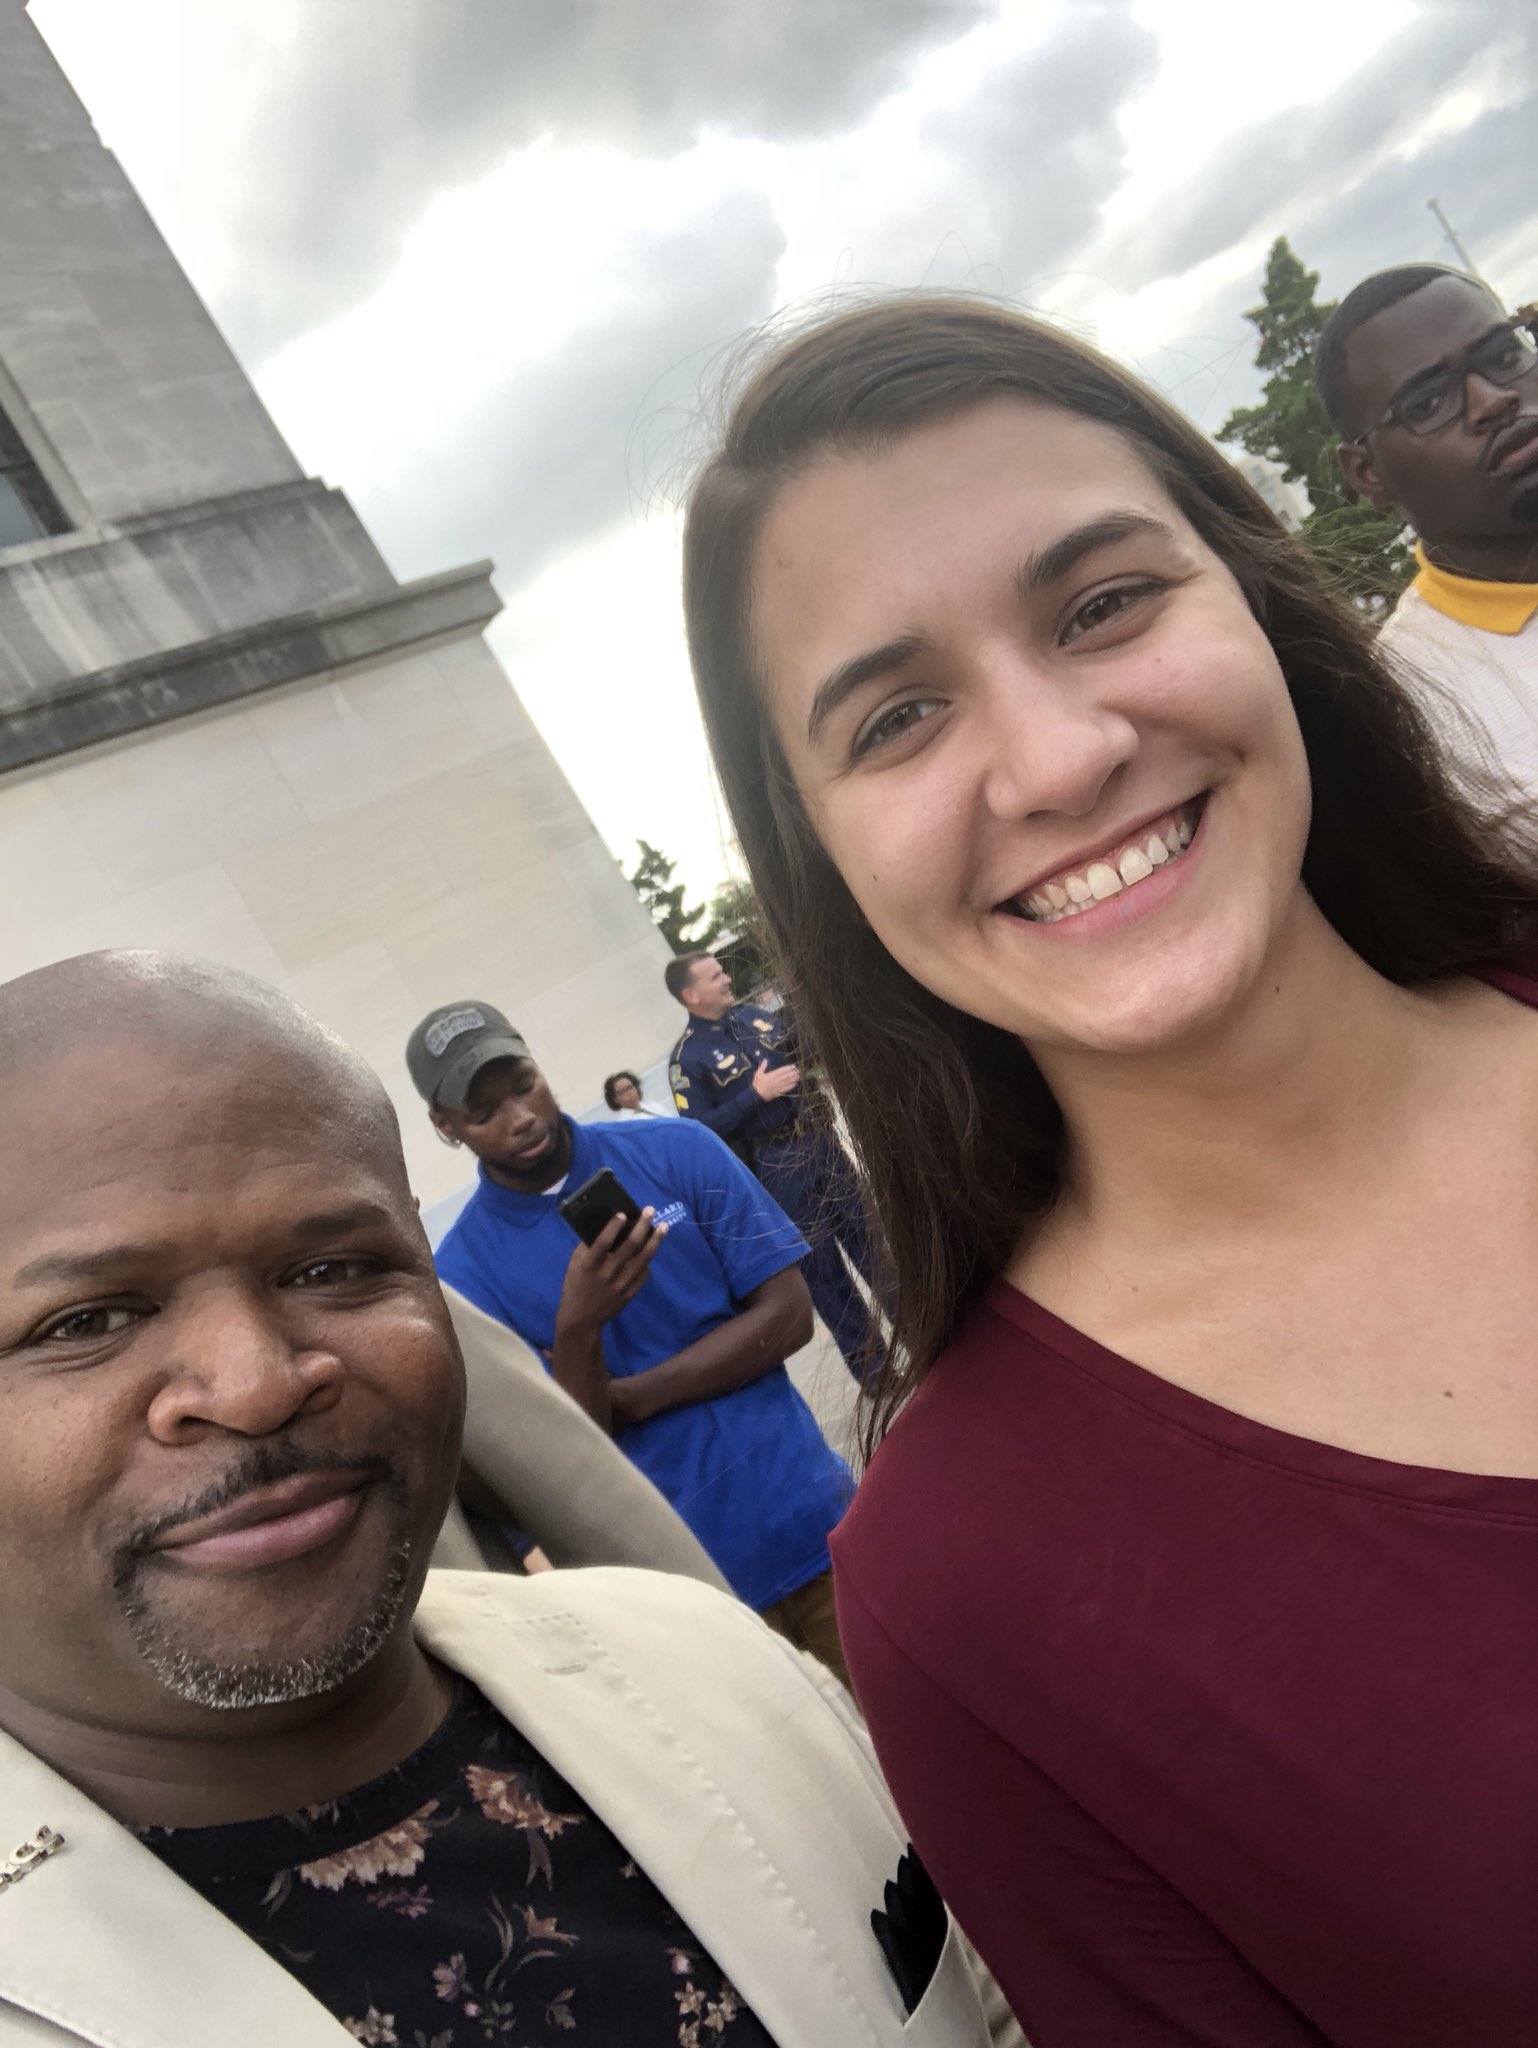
(132, 696)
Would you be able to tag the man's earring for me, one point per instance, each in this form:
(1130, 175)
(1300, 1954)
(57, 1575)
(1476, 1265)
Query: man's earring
(446, 1138)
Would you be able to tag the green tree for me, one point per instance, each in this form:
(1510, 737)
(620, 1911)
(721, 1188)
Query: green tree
(739, 939)
(1363, 549)
(1290, 425)
(687, 929)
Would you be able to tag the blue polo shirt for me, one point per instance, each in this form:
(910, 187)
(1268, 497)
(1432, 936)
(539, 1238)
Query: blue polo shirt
(749, 1471)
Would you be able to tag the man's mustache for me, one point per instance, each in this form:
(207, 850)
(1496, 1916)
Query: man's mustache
(262, 1465)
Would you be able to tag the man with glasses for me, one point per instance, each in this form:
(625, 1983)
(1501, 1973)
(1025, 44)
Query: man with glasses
(1432, 387)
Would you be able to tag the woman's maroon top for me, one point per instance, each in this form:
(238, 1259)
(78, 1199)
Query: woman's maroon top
(1210, 1734)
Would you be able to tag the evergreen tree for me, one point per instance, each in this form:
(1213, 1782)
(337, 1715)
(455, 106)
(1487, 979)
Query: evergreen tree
(739, 940)
(1364, 549)
(1290, 424)
(687, 930)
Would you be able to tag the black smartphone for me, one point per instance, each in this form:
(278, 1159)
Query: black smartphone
(588, 1208)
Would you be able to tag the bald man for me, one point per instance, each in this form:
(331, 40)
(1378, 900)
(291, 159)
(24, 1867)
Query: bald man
(267, 1781)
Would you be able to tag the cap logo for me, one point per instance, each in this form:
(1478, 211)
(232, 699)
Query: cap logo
(440, 1036)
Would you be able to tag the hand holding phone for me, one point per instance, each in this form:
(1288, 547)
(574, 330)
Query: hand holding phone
(590, 1207)
(609, 1268)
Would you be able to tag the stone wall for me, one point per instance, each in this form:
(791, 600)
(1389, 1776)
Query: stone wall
(81, 603)
(376, 840)
(117, 375)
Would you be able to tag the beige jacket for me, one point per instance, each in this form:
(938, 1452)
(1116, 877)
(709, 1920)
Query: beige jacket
(721, 1758)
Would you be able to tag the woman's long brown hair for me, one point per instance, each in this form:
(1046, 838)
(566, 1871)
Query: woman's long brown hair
(957, 1139)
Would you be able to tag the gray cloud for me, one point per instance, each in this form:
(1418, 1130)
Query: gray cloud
(1013, 177)
(1377, 220)
(1036, 152)
(565, 447)
(1381, 220)
(1299, 161)
(1482, 177)
(568, 445)
(385, 102)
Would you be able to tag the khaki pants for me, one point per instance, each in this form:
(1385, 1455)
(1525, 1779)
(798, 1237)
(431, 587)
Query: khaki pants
(806, 1618)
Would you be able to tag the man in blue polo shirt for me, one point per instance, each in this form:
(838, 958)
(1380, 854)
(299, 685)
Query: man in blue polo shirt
(671, 1332)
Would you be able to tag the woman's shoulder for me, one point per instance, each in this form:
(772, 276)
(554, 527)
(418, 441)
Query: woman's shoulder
(975, 1391)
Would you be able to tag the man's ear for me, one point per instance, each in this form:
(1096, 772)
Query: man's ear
(1356, 466)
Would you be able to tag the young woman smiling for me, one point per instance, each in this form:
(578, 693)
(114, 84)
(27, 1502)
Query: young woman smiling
(1182, 1021)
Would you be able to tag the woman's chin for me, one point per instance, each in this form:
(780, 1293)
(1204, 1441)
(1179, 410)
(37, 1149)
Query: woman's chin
(1179, 1004)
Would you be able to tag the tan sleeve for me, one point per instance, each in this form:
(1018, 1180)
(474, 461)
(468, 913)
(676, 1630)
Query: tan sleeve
(553, 1470)
(1004, 2030)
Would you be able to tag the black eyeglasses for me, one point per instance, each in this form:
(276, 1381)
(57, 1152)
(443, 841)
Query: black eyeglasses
(1428, 404)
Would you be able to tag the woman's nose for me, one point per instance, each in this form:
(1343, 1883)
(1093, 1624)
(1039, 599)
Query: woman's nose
(1051, 748)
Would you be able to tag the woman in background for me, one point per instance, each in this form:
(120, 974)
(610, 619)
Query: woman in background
(622, 1092)
(1182, 1021)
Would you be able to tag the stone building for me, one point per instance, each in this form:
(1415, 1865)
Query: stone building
(225, 727)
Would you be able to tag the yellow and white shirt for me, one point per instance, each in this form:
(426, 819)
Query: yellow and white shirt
(1476, 644)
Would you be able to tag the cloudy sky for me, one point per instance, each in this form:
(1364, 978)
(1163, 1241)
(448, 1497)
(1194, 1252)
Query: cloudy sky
(483, 256)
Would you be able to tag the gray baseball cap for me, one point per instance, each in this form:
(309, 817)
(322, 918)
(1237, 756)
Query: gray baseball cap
(451, 1045)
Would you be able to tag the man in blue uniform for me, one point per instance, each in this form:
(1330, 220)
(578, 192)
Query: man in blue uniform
(671, 1332)
(732, 1072)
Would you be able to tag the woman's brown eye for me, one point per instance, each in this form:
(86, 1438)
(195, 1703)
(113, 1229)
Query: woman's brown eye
(1107, 606)
(891, 725)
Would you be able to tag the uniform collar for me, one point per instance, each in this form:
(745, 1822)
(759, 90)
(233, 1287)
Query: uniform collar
(1492, 607)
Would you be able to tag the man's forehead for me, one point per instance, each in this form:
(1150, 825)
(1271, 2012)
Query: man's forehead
(507, 1071)
(1432, 326)
(139, 1073)
(188, 1189)
(115, 1101)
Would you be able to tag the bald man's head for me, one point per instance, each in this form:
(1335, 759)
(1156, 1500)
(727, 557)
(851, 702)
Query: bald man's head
(215, 1297)
(180, 1012)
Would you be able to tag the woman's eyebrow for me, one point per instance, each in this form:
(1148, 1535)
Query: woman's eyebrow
(849, 675)
(1044, 567)
(1037, 571)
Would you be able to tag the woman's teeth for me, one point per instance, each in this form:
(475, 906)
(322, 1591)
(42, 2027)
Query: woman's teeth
(1102, 879)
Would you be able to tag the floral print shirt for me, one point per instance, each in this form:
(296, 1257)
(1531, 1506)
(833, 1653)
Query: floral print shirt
(468, 1896)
